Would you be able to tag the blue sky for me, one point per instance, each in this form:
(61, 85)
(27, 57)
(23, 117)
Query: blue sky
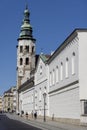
(52, 22)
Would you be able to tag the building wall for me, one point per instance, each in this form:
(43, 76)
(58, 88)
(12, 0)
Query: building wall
(26, 101)
(24, 70)
(41, 87)
(64, 92)
(65, 103)
(83, 64)
(1, 105)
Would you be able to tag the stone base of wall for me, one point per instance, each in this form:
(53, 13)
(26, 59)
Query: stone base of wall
(68, 120)
(62, 120)
(83, 120)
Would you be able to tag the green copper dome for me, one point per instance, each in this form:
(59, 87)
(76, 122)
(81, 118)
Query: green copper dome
(26, 28)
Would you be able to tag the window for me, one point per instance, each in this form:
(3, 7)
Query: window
(35, 94)
(21, 49)
(40, 94)
(27, 48)
(27, 61)
(21, 61)
(85, 107)
(73, 63)
(61, 71)
(50, 78)
(57, 74)
(45, 90)
(53, 76)
(67, 68)
(33, 49)
(40, 69)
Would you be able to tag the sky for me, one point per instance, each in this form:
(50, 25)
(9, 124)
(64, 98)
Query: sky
(52, 22)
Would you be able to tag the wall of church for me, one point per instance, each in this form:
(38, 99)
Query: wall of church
(41, 87)
(83, 64)
(65, 103)
(25, 59)
(26, 101)
(63, 70)
(64, 99)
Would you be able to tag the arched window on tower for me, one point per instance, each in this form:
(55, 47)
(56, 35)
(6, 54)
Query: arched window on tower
(32, 49)
(21, 49)
(27, 49)
(21, 61)
(27, 61)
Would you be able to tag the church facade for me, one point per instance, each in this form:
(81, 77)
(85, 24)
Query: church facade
(54, 83)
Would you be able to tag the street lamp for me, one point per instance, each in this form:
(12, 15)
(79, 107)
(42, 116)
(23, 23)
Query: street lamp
(44, 96)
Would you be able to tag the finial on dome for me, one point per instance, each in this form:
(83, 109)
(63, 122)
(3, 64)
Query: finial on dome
(26, 5)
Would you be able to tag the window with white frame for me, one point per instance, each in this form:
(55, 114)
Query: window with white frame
(50, 78)
(61, 71)
(40, 94)
(57, 74)
(67, 68)
(53, 76)
(73, 63)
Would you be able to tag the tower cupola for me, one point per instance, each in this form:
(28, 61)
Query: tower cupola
(26, 28)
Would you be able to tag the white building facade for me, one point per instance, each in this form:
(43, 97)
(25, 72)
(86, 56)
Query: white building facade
(26, 100)
(62, 77)
(67, 79)
(41, 86)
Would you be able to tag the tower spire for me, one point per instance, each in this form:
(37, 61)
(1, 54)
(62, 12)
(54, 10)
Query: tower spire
(26, 28)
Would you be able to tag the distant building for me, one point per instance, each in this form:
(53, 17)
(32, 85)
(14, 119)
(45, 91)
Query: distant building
(9, 100)
(1, 105)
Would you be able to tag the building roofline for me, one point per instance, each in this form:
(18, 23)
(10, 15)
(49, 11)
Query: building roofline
(66, 42)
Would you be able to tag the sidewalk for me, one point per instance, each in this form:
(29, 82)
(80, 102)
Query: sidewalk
(48, 125)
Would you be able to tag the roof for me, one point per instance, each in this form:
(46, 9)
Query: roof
(26, 85)
(44, 57)
(65, 43)
(8, 91)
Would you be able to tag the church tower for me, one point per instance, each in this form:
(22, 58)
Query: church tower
(25, 50)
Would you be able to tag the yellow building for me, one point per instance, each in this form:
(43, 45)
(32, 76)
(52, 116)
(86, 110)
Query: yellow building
(8, 100)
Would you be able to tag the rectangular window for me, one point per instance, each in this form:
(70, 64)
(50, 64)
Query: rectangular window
(27, 48)
(50, 78)
(61, 71)
(21, 49)
(73, 63)
(41, 70)
(57, 74)
(67, 68)
(53, 77)
(40, 94)
(85, 107)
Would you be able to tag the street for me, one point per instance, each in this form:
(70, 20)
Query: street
(9, 124)
(9, 121)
